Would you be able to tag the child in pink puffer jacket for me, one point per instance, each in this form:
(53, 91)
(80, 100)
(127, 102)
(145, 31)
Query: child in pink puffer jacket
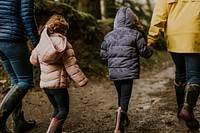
(57, 61)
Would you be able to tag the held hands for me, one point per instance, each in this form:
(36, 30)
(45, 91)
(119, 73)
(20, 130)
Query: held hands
(150, 44)
(85, 84)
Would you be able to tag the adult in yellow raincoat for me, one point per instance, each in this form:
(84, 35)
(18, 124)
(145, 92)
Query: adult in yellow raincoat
(180, 20)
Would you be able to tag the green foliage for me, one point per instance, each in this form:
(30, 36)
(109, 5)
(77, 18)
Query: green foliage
(106, 22)
(82, 26)
(111, 9)
(157, 58)
(3, 73)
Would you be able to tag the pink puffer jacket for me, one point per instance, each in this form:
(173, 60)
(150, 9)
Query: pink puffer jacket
(56, 58)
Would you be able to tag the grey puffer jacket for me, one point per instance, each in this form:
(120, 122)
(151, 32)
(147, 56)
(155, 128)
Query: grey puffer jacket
(17, 20)
(122, 47)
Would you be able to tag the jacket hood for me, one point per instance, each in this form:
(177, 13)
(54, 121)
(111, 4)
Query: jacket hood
(51, 48)
(124, 18)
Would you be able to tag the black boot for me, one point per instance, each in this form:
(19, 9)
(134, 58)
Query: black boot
(126, 120)
(19, 123)
(3, 94)
(9, 103)
(180, 89)
(5, 130)
(120, 118)
(190, 99)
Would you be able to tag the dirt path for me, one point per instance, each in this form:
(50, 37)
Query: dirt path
(92, 110)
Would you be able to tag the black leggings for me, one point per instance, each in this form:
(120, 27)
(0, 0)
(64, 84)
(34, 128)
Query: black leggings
(59, 98)
(124, 89)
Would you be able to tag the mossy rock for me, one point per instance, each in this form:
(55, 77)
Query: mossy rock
(82, 25)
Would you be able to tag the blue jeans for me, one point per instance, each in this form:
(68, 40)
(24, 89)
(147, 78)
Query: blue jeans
(187, 68)
(15, 59)
(59, 98)
(124, 89)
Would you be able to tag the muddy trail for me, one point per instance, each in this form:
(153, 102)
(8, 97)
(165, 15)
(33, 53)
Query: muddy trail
(92, 108)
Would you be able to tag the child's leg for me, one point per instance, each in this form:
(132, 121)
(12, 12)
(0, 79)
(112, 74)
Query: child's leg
(61, 98)
(126, 90)
(52, 99)
(118, 87)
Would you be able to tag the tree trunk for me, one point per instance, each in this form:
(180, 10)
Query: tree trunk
(103, 9)
(110, 8)
(90, 6)
(149, 4)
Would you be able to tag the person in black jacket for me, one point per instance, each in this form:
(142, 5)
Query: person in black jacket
(17, 23)
(121, 50)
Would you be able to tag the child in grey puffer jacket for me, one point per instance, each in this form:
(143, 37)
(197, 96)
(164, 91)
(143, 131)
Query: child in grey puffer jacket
(121, 50)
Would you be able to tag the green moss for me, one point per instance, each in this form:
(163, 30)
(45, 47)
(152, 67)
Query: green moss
(106, 22)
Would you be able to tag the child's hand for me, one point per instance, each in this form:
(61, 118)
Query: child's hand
(84, 82)
(149, 44)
